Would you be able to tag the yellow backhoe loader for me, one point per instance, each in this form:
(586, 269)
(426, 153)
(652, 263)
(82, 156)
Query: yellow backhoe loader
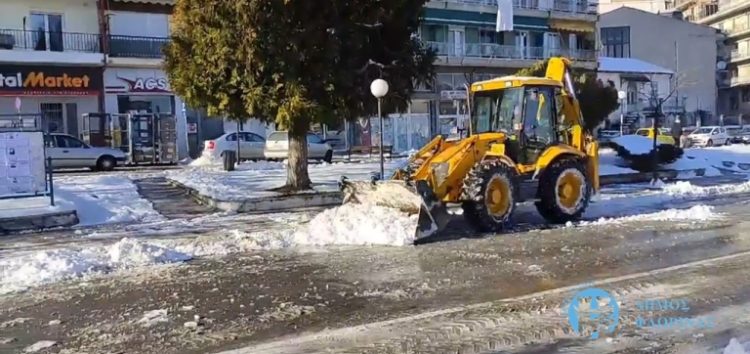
(526, 142)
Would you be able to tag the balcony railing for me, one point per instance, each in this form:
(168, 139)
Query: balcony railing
(52, 41)
(739, 81)
(575, 6)
(136, 47)
(490, 50)
(742, 27)
(740, 54)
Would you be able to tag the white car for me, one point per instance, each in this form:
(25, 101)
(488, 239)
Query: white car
(277, 147)
(251, 146)
(69, 152)
(710, 136)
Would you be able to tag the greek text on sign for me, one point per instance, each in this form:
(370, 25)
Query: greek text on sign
(150, 84)
(453, 95)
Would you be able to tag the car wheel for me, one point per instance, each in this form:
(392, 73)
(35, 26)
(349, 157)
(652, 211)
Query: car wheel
(329, 156)
(728, 142)
(710, 143)
(106, 163)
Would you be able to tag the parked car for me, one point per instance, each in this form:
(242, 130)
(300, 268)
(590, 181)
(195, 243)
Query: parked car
(744, 135)
(277, 147)
(607, 135)
(251, 146)
(664, 136)
(709, 136)
(68, 152)
(734, 132)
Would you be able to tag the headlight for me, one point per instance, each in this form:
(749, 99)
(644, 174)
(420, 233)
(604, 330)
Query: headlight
(440, 171)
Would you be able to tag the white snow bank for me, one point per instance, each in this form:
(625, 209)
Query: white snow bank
(635, 144)
(43, 267)
(359, 224)
(735, 158)
(10, 208)
(205, 160)
(609, 163)
(735, 347)
(103, 199)
(695, 213)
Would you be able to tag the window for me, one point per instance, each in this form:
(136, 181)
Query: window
(746, 94)
(63, 141)
(253, 138)
(314, 139)
(52, 117)
(642, 132)
(616, 41)
(47, 32)
(278, 136)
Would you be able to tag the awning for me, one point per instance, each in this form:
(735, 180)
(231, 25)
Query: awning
(634, 77)
(471, 18)
(158, 2)
(572, 26)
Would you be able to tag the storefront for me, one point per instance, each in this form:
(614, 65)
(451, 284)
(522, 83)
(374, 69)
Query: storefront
(58, 94)
(131, 90)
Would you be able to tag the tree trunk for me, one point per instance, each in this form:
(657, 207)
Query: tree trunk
(296, 173)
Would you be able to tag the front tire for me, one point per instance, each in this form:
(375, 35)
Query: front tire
(329, 156)
(709, 143)
(489, 196)
(564, 191)
(106, 163)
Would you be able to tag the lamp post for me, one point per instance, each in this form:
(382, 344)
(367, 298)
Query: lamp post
(621, 95)
(379, 88)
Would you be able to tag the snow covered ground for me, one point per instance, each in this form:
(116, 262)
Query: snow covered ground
(734, 158)
(98, 199)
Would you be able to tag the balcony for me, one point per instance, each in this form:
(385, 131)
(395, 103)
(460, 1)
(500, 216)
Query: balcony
(497, 51)
(571, 6)
(136, 47)
(50, 47)
(739, 81)
(49, 41)
(737, 55)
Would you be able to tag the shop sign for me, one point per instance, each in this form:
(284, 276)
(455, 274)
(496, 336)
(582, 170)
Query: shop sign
(453, 95)
(147, 85)
(29, 80)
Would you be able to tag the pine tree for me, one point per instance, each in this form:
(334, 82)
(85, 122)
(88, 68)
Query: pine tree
(597, 99)
(295, 62)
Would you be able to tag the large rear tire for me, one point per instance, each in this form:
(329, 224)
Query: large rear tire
(564, 191)
(489, 196)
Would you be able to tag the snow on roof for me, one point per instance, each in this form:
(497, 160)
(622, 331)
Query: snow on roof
(630, 65)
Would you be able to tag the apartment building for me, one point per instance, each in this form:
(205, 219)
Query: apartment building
(687, 49)
(51, 61)
(732, 19)
(463, 32)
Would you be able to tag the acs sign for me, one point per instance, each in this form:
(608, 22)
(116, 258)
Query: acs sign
(150, 84)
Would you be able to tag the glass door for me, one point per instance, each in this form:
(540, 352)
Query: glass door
(522, 44)
(458, 41)
(46, 32)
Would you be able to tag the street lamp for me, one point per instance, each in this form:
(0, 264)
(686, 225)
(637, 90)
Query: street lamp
(379, 88)
(621, 95)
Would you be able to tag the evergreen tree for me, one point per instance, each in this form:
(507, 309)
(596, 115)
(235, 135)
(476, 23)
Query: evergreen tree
(295, 62)
(597, 99)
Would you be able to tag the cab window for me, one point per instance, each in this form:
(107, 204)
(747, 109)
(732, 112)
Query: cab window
(642, 132)
(538, 124)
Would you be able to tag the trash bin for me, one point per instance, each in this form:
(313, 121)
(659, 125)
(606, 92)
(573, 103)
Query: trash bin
(230, 158)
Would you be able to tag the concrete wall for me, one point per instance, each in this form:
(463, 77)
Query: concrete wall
(653, 38)
(645, 5)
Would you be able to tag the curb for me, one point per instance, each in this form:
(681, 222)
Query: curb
(265, 204)
(38, 222)
(331, 198)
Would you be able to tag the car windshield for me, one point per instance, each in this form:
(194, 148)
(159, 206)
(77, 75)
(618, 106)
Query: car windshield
(642, 132)
(496, 111)
(703, 131)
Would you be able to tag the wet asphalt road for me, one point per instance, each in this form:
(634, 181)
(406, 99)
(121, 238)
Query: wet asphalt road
(263, 299)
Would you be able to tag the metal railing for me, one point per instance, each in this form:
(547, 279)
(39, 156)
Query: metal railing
(49, 41)
(738, 28)
(575, 6)
(739, 54)
(137, 47)
(491, 50)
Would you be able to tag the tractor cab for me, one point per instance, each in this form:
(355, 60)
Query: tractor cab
(527, 110)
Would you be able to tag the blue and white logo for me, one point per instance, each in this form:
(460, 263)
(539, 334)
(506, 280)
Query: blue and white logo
(607, 315)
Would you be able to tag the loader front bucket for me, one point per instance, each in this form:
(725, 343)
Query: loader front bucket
(410, 199)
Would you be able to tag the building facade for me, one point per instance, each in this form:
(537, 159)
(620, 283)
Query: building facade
(732, 19)
(469, 49)
(687, 49)
(51, 61)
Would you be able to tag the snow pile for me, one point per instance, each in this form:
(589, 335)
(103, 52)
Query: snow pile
(695, 213)
(236, 241)
(734, 347)
(609, 163)
(635, 144)
(734, 158)
(359, 224)
(205, 160)
(153, 317)
(43, 267)
(104, 199)
(686, 189)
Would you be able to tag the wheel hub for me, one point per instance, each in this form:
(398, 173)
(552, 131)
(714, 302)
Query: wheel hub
(498, 198)
(569, 189)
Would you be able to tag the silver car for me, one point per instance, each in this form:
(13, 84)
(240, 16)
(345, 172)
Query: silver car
(277, 147)
(69, 152)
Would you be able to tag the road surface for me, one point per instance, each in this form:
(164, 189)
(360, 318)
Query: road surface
(488, 293)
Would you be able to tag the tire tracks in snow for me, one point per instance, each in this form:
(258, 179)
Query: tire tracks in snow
(534, 318)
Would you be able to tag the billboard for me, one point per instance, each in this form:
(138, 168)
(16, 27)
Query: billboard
(22, 164)
(31, 80)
